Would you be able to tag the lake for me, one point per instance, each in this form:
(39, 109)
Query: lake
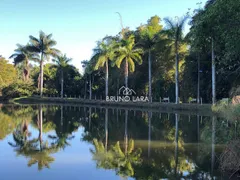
(81, 142)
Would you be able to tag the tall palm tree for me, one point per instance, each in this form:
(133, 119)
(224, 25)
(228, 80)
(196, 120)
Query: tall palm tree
(148, 42)
(175, 33)
(23, 56)
(43, 46)
(103, 53)
(62, 62)
(127, 53)
(150, 34)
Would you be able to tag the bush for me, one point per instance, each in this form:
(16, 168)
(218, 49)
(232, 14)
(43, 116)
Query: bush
(228, 111)
(18, 89)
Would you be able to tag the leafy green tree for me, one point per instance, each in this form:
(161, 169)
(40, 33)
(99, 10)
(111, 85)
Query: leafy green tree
(43, 46)
(62, 62)
(8, 73)
(175, 33)
(127, 53)
(22, 56)
(18, 89)
(217, 24)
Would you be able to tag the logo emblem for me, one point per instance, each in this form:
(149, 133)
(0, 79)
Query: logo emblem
(126, 91)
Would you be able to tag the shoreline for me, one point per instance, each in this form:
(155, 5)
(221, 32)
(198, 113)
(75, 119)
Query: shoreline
(193, 109)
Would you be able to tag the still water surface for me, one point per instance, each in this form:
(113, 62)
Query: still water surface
(64, 142)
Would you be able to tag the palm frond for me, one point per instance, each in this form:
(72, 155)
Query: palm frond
(33, 40)
(131, 64)
(170, 24)
(100, 62)
(119, 60)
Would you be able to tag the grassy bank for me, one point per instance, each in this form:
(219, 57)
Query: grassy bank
(228, 111)
(193, 109)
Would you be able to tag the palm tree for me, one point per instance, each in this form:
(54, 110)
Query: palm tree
(127, 53)
(62, 63)
(23, 56)
(43, 46)
(149, 34)
(103, 53)
(175, 33)
(149, 43)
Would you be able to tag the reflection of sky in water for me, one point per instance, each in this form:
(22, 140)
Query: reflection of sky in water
(71, 163)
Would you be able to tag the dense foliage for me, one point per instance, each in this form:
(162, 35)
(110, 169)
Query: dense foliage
(7, 73)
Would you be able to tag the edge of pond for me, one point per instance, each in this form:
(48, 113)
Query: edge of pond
(192, 109)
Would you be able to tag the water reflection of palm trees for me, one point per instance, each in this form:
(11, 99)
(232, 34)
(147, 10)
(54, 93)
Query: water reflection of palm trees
(38, 150)
(62, 137)
(121, 160)
(106, 128)
(35, 149)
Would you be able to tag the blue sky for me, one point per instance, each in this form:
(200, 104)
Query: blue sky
(78, 24)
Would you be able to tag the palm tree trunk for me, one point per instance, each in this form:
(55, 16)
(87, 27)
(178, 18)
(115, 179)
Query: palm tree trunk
(90, 87)
(126, 131)
(90, 117)
(176, 143)
(177, 75)
(126, 73)
(106, 129)
(198, 86)
(61, 116)
(40, 125)
(117, 86)
(150, 75)
(85, 89)
(213, 75)
(61, 83)
(149, 132)
(106, 90)
(41, 76)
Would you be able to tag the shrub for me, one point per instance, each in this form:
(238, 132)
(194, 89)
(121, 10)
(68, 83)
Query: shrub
(18, 89)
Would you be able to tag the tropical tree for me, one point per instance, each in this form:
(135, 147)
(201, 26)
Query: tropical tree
(127, 53)
(104, 52)
(175, 33)
(22, 56)
(43, 46)
(62, 63)
(149, 37)
(8, 73)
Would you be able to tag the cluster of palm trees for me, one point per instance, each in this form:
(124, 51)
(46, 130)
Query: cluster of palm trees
(39, 50)
(125, 51)
(118, 50)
